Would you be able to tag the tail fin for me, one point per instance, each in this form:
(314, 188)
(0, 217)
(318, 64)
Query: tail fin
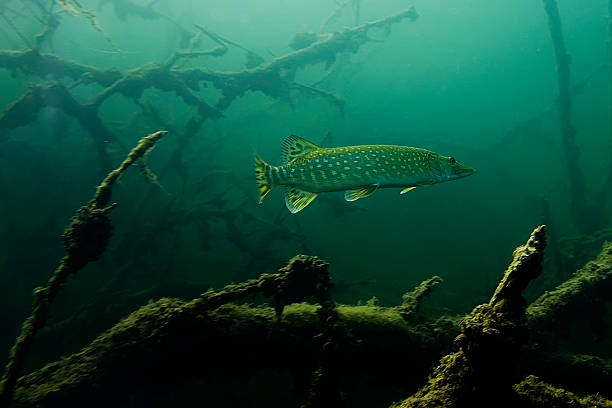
(262, 170)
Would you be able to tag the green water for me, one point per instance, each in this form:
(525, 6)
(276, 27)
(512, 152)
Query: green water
(472, 79)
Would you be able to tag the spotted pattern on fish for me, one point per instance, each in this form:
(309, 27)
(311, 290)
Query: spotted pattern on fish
(359, 170)
(346, 168)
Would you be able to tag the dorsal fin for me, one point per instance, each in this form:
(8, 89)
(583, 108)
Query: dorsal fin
(294, 146)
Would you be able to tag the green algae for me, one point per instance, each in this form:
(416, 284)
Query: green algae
(534, 393)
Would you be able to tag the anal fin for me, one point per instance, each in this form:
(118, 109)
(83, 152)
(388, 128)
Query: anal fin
(354, 195)
(296, 199)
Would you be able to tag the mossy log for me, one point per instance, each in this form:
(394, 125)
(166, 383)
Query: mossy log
(534, 393)
(482, 371)
(495, 350)
(582, 297)
(373, 354)
(411, 301)
(581, 373)
(170, 342)
(335, 344)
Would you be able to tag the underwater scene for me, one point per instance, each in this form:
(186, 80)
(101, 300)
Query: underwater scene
(325, 203)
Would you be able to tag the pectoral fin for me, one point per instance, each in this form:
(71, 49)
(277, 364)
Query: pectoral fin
(407, 189)
(296, 199)
(353, 195)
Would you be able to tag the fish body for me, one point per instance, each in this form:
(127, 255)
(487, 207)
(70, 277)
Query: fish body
(358, 170)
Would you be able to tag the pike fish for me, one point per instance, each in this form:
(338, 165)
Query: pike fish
(359, 171)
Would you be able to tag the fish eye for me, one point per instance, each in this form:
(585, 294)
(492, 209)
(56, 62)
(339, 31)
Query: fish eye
(452, 160)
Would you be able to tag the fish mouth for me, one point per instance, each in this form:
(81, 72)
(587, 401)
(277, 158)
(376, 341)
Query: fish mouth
(463, 171)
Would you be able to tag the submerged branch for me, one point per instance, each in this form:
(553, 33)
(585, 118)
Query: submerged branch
(25, 110)
(348, 344)
(275, 79)
(534, 393)
(411, 301)
(479, 372)
(568, 131)
(45, 64)
(85, 240)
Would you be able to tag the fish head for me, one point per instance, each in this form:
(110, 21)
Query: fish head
(447, 168)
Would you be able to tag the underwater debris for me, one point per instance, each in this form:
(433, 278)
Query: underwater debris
(181, 335)
(74, 8)
(325, 389)
(275, 79)
(51, 24)
(169, 342)
(147, 173)
(411, 301)
(25, 110)
(534, 393)
(582, 373)
(253, 59)
(342, 345)
(484, 368)
(581, 297)
(85, 240)
(292, 316)
(302, 278)
(578, 250)
(266, 78)
(494, 351)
